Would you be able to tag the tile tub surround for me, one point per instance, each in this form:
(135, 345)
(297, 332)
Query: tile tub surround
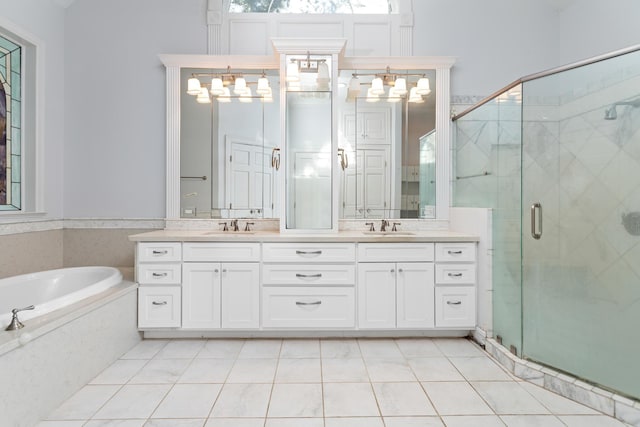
(620, 407)
(315, 383)
(23, 253)
(65, 352)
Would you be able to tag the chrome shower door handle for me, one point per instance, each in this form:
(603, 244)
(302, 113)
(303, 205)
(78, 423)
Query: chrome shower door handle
(536, 221)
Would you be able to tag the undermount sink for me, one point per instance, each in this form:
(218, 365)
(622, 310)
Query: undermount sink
(389, 233)
(227, 233)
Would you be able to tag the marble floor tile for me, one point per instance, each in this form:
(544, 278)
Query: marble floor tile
(389, 370)
(242, 401)
(590, 421)
(145, 349)
(344, 370)
(253, 371)
(235, 422)
(349, 400)
(175, 423)
(509, 398)
(557, 404)
(413, 422)
(354, 422)
(188, 401)
(298, 371)
(221, 349)
(207, 371)
(296, 401)
(300, 348)
(161, 371)
(418, 347)
(531, 421)
(62, 424)
(480, 369)
(133, 401)
(473, 421)
(120, 372)
(402, 399)
(294, 422)
(114, 423)
(180, 349)
(456, 398)
(340, 348)
(434, 369)
(260, 349)
(85, 403)
(379, 348)
(457, 347)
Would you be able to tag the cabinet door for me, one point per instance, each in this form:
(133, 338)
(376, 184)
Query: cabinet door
(376, 296)
(415, 295)
(201, 295)
(375, 127)
(240, 295)
(377, 190)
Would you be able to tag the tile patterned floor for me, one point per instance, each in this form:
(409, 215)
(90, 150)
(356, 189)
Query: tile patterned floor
(315, 383)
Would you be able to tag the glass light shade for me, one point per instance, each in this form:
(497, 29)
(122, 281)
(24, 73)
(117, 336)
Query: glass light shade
(193, 86)
(217, 88)
(372, 97)
(240, 86)
(423, 86)
(323, 73)
(394, 96)
(246, 95)
(354, 89)
(268, 97)
(203, 96)
(226, 95)
(263, 86)
(293, 74)
(400, 86)
(377, 87)
(414, 96)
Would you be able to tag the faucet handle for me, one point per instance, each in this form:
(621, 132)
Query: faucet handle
(371, 227)
(247, 227)
(224, 224)
(395, 228)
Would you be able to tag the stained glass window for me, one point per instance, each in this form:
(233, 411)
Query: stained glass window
(10, 125)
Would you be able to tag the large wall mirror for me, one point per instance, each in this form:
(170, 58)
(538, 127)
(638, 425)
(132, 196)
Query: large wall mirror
(387, 121)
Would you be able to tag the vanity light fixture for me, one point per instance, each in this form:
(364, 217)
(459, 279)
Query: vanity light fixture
(217, 87)
(240, 86)
(414, 96)
(193, 86)
(399, 83)
(263, 86)
(203, 96)
(423, 86)
(377, 87)
(400, 86)
(354, 88)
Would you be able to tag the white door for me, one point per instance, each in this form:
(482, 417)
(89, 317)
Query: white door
(241, 295)
(376, 295)
(375, 127)
(415, 295)
(247, 168)
(201, 295)
(377, 190)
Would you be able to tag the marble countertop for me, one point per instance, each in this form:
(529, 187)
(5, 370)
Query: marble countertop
(168, 235)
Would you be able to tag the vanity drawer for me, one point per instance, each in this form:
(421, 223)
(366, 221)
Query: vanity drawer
(220, 252)
(455, 252)
(295, 307)
(309, 252)
(395, 252)
(159, 307)
(159, 252)
(454, 274)
(456, 306)
(309, 274)
(159, 274)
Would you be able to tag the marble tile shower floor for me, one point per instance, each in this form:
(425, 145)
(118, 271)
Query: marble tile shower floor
(315, 383)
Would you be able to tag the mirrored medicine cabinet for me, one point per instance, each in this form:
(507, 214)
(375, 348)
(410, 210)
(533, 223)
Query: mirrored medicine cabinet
(348, 138)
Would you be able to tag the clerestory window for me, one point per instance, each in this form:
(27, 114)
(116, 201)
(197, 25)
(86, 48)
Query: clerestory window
(311, 6)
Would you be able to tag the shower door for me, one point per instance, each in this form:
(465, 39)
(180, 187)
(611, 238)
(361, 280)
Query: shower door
(581, 262)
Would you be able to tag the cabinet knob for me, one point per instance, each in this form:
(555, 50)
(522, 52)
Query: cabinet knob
(399, 270)
(224, 270)
(393, 270)
(216, 270)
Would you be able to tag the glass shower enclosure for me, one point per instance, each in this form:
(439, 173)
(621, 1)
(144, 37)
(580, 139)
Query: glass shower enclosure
(557, 157)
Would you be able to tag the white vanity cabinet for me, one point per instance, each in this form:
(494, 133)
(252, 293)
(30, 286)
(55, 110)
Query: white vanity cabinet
(308, 285)
(221, 286)
(397, 293)
(455, 290)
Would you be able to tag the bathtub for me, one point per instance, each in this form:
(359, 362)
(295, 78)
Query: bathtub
(52, 290)
(84, 319)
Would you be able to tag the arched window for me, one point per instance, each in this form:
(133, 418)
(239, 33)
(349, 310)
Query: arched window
(311, 6)
(10, 125)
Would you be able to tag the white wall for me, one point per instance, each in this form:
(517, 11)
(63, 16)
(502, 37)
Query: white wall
(45, 21)
(115, 102)
(591, 28)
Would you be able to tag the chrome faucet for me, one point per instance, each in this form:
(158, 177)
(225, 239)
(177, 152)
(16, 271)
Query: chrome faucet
(384, 225)
(234, 225)
(15, 323)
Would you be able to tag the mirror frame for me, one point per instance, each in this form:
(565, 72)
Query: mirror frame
(441, 64)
